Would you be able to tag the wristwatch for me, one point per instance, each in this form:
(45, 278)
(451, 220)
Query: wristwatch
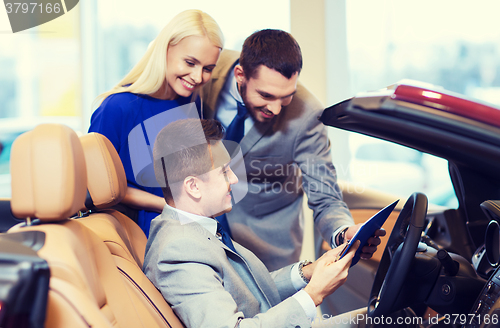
(341, 236)
(301, 273)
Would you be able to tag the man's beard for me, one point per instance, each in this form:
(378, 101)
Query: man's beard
(242, 88)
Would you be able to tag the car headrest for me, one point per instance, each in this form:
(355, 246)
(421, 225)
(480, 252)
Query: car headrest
(49, 178)
(106, 179)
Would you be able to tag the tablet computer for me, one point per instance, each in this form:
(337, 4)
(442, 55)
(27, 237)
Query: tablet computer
(367, 230)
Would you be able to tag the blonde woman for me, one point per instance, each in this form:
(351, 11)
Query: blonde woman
(177, 63)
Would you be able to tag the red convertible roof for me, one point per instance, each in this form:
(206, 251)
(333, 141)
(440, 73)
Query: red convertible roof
(449, 102)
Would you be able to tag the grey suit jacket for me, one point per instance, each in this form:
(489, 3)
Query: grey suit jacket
(208, 285)
(283, 158)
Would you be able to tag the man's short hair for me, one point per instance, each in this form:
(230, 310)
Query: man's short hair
(182, 149)
(275, 49)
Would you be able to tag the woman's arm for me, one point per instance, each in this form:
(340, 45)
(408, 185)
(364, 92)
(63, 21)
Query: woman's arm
(143, 200)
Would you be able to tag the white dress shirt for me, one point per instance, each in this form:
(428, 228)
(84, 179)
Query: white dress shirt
(227, 107)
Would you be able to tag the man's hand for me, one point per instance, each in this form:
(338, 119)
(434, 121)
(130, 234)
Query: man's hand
(326, 274)
(373, 241)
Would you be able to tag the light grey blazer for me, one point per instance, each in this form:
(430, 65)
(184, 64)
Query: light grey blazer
(281, 156)
(208, 285)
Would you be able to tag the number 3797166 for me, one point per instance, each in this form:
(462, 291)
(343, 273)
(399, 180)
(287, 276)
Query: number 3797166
(464, 319)
(33, 7)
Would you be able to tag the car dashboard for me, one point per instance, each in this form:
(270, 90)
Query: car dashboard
(486, 260)
(444, 231)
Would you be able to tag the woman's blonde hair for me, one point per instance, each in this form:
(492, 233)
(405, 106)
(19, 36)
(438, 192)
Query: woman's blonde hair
(148, 75)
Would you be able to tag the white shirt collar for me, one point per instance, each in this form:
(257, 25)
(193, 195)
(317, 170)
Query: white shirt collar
(185, 217)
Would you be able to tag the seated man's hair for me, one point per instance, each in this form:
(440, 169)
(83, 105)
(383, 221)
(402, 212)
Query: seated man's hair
(181, 149)
(275, 49)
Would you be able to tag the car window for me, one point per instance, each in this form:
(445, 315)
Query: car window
(387, 152)
(389, 167)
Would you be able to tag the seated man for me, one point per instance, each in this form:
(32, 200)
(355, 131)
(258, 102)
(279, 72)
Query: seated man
(209, 280)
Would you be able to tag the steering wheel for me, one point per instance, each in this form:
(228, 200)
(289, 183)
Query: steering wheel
(398, 255)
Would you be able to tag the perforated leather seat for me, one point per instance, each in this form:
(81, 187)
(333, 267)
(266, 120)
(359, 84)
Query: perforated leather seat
(87, 288)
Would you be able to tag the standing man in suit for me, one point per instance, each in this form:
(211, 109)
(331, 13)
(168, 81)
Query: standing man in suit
(285, 148)
(209, 280)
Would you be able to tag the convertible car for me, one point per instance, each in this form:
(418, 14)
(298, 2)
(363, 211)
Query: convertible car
(444, 259)
(70, 259)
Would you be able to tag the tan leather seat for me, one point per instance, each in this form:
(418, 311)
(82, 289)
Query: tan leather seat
(87, 289)
(107, 185)
(124, 238)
